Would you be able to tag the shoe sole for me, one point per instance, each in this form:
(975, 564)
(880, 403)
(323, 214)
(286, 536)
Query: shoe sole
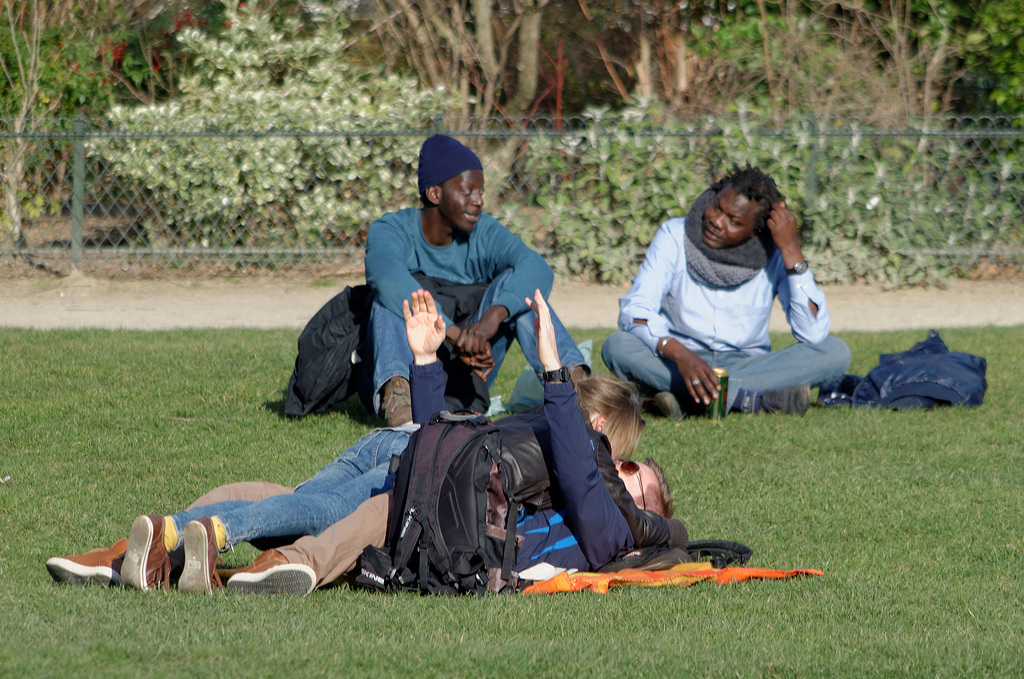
(140, 540)
(195, 576)
(68, 572)
(293, 579)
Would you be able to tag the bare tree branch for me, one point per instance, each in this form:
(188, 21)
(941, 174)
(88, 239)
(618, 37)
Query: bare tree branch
(13, 152)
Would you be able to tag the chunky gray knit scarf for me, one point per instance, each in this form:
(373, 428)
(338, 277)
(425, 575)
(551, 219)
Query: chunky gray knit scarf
(724, 267)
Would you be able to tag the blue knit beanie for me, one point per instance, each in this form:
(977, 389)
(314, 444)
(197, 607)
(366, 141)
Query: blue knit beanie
(442, 158)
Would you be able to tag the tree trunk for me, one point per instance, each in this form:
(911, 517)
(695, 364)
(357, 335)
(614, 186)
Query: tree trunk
(644, 77)
(13, 155)
(527, 64)
(13, 169)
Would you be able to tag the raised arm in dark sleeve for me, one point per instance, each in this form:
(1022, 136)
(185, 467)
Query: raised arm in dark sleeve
(426, 382)
(591, 514)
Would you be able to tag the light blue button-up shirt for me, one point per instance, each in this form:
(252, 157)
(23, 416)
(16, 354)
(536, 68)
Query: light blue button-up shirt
(716, 319)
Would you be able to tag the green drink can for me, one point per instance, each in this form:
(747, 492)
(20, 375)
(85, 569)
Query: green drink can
(717, 408)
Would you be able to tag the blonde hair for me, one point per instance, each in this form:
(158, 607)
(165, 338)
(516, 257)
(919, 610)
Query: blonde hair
(617, 401)
(658, 496)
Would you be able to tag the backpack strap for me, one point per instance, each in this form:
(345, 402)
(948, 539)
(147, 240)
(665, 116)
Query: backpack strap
(508, 562)
(509, 558)
(470, 417)
(406, 541)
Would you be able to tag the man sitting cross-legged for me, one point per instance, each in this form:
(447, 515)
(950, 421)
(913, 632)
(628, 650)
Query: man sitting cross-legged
(451, 240)
(702, 299)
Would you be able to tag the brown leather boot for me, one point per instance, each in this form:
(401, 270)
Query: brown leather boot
(100, 566)
(396, 402)
(199, 574)
(271, 573)
(146, 564)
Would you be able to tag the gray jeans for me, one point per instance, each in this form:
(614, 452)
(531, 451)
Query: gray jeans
(632, 361)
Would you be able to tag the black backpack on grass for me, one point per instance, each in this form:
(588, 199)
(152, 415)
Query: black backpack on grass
(452, 524)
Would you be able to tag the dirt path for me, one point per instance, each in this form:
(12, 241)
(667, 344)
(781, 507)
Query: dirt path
(79, 302)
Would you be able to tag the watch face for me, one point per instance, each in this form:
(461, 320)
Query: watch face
(799, 267)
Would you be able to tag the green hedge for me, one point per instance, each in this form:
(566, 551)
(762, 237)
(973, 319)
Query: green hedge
(894, 208)
(890, 207)
(283, 138)
(246, 155)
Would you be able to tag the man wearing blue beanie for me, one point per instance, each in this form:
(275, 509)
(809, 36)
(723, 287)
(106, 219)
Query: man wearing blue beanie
(450, 244)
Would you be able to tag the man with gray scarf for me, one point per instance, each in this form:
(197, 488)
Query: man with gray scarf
(702, 300)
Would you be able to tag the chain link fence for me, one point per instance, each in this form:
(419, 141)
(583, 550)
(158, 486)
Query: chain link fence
(895, 202)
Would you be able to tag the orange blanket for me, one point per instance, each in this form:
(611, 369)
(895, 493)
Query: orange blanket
(683, 575)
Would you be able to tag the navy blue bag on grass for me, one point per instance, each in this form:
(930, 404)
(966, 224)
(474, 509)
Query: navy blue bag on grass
(926, 375)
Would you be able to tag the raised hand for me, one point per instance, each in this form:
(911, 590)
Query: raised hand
(424, 326)
(547, 348)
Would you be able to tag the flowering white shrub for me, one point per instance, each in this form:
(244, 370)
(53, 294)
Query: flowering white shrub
(273, 141)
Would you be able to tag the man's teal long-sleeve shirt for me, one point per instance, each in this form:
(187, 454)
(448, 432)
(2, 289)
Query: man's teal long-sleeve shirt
(396, 248)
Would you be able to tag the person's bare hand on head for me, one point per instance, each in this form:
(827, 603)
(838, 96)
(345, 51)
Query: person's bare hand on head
(782, 225)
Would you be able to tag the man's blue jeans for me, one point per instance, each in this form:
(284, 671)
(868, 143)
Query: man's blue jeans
(391, 354)
(631, 360)
(332, 494)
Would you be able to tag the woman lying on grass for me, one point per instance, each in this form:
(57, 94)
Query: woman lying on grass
(619, 507)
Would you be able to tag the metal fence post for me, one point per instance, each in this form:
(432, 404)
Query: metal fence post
(78, 192)
(438, 123)
(811, 171)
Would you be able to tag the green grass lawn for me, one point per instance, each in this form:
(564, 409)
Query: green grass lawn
(915, 517)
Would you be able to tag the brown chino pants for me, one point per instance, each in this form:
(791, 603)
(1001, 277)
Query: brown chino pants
(330, 554)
